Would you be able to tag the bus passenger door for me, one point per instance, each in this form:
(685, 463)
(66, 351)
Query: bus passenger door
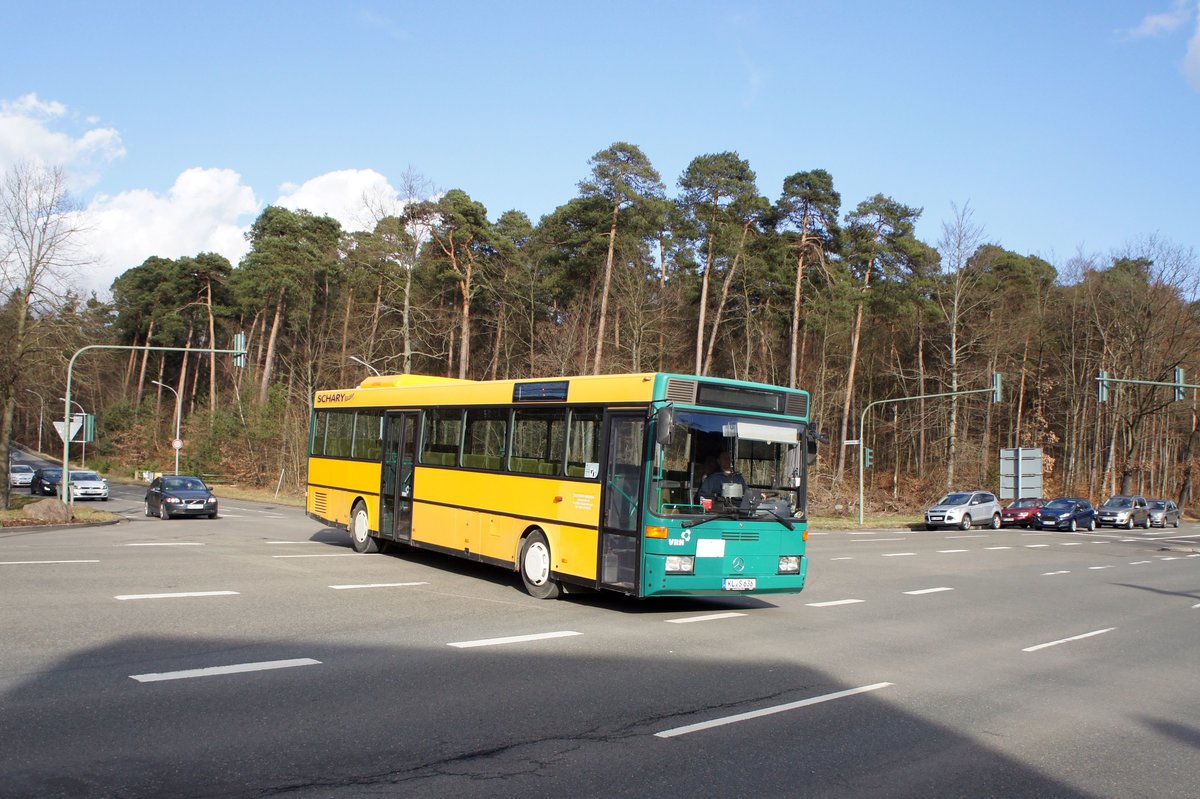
(395, 494)
(621, 500)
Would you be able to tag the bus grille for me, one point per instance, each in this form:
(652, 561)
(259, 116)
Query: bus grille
(739, 535)
(797, 405)
(682, 391)
(320, 502)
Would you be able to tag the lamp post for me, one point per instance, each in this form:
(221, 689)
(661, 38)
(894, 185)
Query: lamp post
(360, 361)
(178, 413)
(83, 442)
(41, 411)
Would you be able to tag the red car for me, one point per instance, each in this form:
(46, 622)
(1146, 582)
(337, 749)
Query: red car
(1022, 513)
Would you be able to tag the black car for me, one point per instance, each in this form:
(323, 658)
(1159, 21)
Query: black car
(1068, 513)
(45, 481)
(180, 495)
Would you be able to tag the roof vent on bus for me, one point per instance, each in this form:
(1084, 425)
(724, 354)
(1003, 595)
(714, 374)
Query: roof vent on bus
(681, 391)
(797, 405)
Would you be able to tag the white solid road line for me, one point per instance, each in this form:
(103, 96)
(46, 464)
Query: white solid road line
(237, 668)
(1066, 640)
(1139, 562)
(512, 639)
(295, 542)
(334, 555)
(1051, 574)
(948, 551)
(928, 591)
(1036, 546)
(835, 602)
(1097, 568)
(710, 617)
(843, 558)
(898, 554)
(375, 585)
(41, 562)
(767, 711)
(176, 596)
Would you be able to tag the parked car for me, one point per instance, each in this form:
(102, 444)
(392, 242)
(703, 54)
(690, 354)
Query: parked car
(45, 481)
(88, 485)
(1122, 511)
(20, 475)
(1022, 512)
(963, 509)
(180, 495)
(1067, 513)
(1163, 512)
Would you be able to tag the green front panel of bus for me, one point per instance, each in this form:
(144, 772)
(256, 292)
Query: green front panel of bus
(724, 550)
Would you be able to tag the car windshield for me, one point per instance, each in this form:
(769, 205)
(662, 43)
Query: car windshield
(183, 484)
(1119, 502)
(955, 499)
(21, 469)
(1158, 504)
(1024, 503)
(84, 476)
(1057, 504)
(51, 474)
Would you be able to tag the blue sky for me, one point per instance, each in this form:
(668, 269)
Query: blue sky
(1068, 126)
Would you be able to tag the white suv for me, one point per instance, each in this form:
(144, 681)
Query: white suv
(963, 509)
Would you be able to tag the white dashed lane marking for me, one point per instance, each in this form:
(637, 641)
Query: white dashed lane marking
(835, 602)
(928, 591)
(1067, 640)
(767, 711)
(710, 617)
(212, 671)
(181, 595)
(512, 639)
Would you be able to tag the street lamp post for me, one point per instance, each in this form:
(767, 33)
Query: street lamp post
(178, 413)
(360, 361)
(83, 441)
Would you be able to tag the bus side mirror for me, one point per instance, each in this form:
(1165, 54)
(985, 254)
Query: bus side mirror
(664, 424)
(810, 454)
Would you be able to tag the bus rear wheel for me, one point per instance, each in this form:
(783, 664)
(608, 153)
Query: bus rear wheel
(360, 530)
(535, 567)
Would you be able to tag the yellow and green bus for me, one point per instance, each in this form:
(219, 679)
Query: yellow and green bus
(588, 482)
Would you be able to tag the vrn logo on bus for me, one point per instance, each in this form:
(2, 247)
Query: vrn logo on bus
(682, 540)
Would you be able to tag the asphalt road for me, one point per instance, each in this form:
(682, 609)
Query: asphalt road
(257, 655)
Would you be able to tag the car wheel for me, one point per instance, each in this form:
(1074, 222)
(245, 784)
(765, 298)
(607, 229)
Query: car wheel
(965, 524)
(163, 513)
(212, 515)
(360, 530)
(995, 521)
(535, 567)
(1129, 524)
(1074, 526)
(148, 513)
(1146, 524)
(1092, 524)
(1176, 524)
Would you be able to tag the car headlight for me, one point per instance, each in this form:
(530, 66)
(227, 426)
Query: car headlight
(1064, 515)
(1122, 517)
(789, 564)
(172, 500)
(950, 514)
(680, 564)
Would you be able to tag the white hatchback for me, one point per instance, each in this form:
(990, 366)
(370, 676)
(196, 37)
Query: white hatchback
(20, 475)
(964, 510)
(88, 485)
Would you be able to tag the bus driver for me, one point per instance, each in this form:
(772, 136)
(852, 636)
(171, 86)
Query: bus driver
(713, 485)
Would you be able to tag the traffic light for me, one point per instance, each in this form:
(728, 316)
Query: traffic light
(868, 457)
(239, 344)
(1179, 392)
(996, 387)
(1102, 386)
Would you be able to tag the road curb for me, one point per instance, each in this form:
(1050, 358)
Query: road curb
(49, 528)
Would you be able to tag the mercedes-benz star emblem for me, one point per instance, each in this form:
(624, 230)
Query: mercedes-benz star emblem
(738, 565)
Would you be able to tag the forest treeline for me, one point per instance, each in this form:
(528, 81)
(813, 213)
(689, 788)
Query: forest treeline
(714, 275)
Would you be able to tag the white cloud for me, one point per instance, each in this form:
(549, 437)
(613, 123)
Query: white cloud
(26, 135)
(351, 196)
(206, 210)
(1191, 61)
(1164, 22)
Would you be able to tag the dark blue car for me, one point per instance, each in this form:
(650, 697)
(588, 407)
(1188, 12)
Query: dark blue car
(1067, 513)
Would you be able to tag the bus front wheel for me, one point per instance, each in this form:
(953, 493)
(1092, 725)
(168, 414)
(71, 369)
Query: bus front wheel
(360, 530)
(535, 567)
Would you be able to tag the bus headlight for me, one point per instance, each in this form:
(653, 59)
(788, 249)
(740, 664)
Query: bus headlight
(680, 564)
(789, 564)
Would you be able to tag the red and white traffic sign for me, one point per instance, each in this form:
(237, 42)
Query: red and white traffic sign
(177, 443)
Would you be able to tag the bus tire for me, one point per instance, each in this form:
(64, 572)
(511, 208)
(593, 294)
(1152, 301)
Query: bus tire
(534, 566)
(360, 530)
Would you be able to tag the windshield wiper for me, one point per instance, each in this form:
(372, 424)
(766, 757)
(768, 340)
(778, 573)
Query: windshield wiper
(694, 522)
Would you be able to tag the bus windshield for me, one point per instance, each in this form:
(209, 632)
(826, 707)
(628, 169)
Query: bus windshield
(713, 460)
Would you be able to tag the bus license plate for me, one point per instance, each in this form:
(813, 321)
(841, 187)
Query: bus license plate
(741, 584)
